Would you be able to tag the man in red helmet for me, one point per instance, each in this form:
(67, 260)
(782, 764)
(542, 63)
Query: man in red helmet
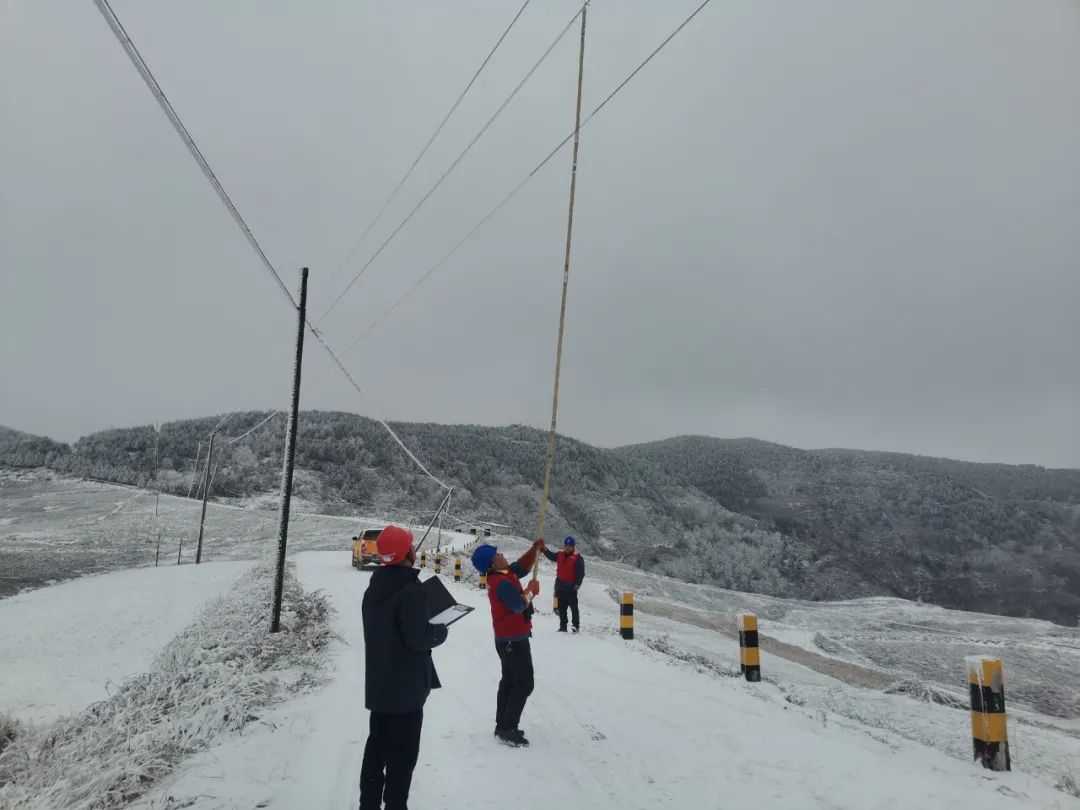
(399, 672)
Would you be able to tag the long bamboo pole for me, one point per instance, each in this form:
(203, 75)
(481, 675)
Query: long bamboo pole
(562, 309)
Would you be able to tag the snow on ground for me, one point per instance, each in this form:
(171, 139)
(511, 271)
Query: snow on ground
(904, 640)
(612, 724)
(816, 658)
(1043, 747)
(54, 528)
(62, 647)
(212, 679)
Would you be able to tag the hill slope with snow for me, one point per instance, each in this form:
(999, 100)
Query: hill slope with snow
(746, 514)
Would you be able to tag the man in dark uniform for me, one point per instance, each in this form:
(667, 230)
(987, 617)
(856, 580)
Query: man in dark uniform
(399, 672)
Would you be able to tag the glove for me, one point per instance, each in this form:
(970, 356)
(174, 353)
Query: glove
(533, 587)
(539, 544)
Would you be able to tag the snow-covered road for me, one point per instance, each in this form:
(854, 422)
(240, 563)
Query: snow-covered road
(612, 724)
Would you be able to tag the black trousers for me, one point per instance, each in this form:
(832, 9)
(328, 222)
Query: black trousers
(516, 684)
(393, 745)
(568, 599)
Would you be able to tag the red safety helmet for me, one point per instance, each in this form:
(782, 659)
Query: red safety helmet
(394, 544)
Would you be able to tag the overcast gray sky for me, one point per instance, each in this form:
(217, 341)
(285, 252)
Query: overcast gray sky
(819, 223)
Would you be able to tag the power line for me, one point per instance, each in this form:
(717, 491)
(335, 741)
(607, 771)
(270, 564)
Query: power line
(453, 165)
(378, 419)
(148, 77)
(513, 192)
(430, 141)
(144, 71)
(224, 419)
(252, 430)
(151, 82)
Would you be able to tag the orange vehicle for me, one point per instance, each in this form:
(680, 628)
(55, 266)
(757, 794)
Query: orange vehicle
(365, 552)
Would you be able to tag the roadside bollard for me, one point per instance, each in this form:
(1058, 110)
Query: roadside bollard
(749, 654)
(438, 563)
(554, 603)
(423, 559)
(483, 582)
(626, 615)
(457, 569)
(989, 735)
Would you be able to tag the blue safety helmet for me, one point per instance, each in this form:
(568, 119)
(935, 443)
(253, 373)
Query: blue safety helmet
(483, 557)
(569, 541)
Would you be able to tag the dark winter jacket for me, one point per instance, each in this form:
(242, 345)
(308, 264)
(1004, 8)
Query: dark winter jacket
(398, 641)
(570, 570)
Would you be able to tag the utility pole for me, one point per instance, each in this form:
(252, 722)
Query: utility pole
(290, 456)
(195, 468)
(438, 542)
(157, 490)
(157, 554)
(205, 495)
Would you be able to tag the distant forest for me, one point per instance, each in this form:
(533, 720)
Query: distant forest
(741, 514)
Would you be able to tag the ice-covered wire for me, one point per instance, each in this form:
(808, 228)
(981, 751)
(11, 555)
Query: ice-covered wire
(252, 430)
(430, 141)
(148, 77)
(223, 420)
(378, 419)
(499, 206)
(453, 166)
(144, 71)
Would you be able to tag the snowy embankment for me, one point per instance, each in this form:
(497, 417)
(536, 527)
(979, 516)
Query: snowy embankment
(214, 678)
(66, 646)
(612, 724)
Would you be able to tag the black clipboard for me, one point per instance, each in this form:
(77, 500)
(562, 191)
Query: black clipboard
(444, 608)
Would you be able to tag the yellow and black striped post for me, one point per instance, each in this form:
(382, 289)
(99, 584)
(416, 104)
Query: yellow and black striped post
(749, 654)
(626, 615)
(989, 735)
(423, 559)
(438, 563)
(483, 581)
(457, 569)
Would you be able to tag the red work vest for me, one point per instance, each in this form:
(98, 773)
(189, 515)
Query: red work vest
(566, 567)
(506, 622)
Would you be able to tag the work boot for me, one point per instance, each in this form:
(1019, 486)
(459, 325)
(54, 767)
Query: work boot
(512, 737)
(562, 628)
(577, 629)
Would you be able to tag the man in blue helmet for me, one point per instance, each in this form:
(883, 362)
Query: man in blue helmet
(569, 574)
(511, 618)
